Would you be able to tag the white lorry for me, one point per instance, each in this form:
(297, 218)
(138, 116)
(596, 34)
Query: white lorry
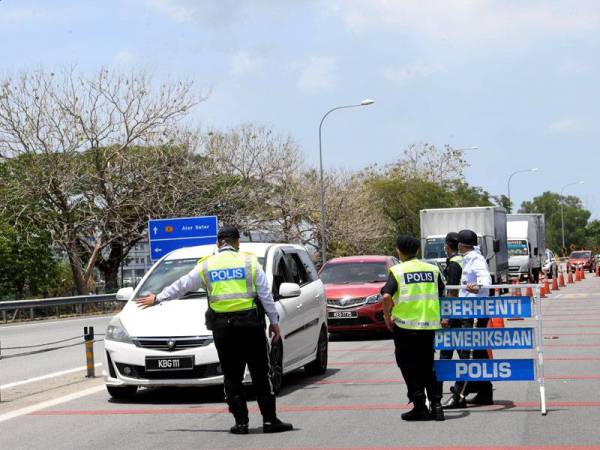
(526, 245)
(489, 222)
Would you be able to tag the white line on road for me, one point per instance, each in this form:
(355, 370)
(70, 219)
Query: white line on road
(45, 377)
(54, 322)
(49, 403)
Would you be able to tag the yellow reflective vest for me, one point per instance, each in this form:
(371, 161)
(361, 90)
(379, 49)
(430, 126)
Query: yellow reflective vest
(416, 301)
(230, 281)
(458, 259)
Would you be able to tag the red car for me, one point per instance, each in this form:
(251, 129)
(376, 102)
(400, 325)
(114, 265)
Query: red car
(352, 287)
(581, 258)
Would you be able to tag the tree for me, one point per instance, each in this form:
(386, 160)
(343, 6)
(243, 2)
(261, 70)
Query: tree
(575, 218)
(28, 266)
(592, 232)
(91, 159)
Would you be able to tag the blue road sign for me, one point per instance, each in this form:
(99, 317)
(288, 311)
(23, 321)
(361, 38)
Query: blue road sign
(485, 370)
(484, 338)
(480, 307)
(167, 235)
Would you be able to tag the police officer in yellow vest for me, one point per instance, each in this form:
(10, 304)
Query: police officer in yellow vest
(233, 282)
(411, 311)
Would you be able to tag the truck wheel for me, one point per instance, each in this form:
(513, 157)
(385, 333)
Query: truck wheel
(121, 392)
(319, 365)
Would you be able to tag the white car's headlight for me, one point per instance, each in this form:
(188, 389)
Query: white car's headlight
(116, 332)
(371, 299)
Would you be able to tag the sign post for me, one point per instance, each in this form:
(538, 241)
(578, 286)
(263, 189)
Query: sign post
(166, 235)
(492, 338)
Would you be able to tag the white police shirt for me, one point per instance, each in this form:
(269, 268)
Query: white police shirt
(475, 270)
(192, 282)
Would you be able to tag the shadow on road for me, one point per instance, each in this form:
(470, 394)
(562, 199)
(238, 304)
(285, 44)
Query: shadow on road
(214, 394)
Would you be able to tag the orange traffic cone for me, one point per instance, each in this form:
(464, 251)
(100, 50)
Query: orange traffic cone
(597, 270)
(516, 291)
(542, 291)
(577, 274)
(561, 280)
(546, 285)
(554, 283)
(529, 292)
(570, 277)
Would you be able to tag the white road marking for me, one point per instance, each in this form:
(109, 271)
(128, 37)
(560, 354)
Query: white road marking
(54, 322)
(49, 403)
(45, 377)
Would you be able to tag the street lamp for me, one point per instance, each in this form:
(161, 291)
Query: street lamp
(562, 214)
(365, 102)
(535, 169)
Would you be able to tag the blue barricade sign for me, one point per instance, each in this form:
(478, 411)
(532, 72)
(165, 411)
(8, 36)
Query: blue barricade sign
(484, 338)
(167, 235)
(480, 307)
(485, 370)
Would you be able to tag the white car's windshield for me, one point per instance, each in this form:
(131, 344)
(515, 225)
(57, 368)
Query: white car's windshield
(166, 273)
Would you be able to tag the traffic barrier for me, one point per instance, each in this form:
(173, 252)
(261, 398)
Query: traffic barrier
(472, 339)
(35, 349)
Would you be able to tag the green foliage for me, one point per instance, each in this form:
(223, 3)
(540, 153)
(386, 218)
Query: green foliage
(28, 265)
(575, 219)
(592, 231)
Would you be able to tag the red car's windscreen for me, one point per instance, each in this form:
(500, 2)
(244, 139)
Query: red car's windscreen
(354, 273)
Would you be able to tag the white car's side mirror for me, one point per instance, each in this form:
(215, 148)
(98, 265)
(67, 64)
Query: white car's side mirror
(289, 290)
(124, 294)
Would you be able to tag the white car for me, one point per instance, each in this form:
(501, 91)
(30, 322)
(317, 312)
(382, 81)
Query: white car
(169, 345)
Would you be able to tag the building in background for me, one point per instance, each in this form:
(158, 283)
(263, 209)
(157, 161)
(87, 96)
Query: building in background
(136, 264)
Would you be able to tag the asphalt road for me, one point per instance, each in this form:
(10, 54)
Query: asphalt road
(357, 404)
(14, 370)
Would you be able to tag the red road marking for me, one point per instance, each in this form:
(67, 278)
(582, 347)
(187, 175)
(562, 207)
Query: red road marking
(296, 408)
(520, 447)
(572, 345)
(585, 333)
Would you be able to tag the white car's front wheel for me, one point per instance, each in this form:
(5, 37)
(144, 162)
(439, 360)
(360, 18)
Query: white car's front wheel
(121, 392)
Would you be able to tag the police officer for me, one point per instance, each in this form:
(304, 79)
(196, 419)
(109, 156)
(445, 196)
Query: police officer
(475, 273)
(452, 276)
(412, 312)
(233, 281)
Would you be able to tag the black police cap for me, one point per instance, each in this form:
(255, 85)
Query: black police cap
(228, 232)
(467, 237)
(452, 239)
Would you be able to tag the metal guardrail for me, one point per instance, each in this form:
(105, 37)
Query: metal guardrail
(78, 302)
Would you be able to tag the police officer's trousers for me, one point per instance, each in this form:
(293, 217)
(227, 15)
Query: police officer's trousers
(462, 354)
(485, 387)
(414, 355)
(238, 346)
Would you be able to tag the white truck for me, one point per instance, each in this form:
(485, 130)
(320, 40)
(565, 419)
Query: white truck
(526, 245)
(489, 222)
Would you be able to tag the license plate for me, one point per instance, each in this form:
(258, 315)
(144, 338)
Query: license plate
(343, 314)
(156, 363)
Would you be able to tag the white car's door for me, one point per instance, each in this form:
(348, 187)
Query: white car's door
(309, 305)
(288, 308)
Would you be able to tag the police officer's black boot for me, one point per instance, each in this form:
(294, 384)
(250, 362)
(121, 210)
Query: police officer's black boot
(434, 393)
(274, 425)
(485, 396)
(237, 406)
(418, 413)
(271, 424)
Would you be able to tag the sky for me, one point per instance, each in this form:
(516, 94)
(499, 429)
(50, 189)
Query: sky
(516, 78)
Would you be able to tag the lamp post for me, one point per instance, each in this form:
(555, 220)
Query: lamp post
(535, 169)
(365, 102)
(562, 213)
